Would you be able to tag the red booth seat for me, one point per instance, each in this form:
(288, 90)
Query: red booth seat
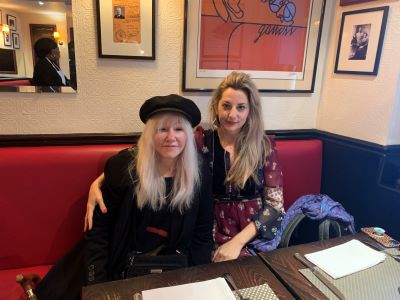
(17, 82)
(43, 193)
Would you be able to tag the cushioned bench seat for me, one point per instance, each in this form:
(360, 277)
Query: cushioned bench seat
(43, 194)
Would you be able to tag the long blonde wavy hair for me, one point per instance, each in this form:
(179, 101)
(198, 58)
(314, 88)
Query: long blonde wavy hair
(251, 145)
(150, 186)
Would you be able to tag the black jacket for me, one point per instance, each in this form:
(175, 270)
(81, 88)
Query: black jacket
(44, 74)
(101, 255)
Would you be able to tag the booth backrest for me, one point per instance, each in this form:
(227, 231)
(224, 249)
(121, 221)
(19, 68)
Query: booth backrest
(17, 82)
(43, 194)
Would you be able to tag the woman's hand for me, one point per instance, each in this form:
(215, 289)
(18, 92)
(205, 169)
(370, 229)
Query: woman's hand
(231, 250)
(228, 251)
(95, 197)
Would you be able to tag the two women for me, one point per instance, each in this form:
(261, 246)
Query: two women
(246, 174)
(158, 196)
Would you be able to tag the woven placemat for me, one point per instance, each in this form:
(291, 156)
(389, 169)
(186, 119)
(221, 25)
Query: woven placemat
(259, 292)
(378, 282)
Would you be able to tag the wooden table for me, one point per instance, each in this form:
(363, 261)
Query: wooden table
(246, 271)
(285, 266)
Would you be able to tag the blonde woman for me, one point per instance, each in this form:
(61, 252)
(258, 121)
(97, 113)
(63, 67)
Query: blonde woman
(247, 178)
(158, 197)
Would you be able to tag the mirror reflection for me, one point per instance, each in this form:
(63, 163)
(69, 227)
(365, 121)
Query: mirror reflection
(37, 51)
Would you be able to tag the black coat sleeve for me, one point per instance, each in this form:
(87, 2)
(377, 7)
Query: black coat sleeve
(202, 240)
(98, 240)
(45, 75)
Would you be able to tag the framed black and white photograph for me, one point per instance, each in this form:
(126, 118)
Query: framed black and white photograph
(12, 22)
(15, 39)
(125, 29)
(360, 41)
(7, 39)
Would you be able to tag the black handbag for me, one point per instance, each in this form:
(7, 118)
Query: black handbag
(143, 264)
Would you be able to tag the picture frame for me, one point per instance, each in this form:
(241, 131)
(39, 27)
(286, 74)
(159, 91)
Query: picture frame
(220, 38)
(15, 40)
(360, 41)
(12, 22)
(125, 29)
(351, 2)
(7, 39)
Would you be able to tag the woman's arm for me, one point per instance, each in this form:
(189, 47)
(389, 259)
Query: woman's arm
(95, 197)
(231, 250)
(120, 163)
(97, 250)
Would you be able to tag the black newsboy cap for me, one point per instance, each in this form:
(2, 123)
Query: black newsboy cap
(170, 103)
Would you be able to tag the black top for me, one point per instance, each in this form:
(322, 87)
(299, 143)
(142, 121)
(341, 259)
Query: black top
(150, 222)
(220, 167)
(45, 74)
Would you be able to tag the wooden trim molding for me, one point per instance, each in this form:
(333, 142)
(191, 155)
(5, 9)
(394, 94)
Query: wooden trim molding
(350, 2)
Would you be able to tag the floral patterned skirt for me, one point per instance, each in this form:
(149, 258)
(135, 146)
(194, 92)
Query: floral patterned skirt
(231, 216)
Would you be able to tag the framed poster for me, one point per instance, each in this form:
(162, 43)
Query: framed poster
(12, 22)
(276, 42)
(360, 41)
(7, 38)
(16, 41)
(125, 28)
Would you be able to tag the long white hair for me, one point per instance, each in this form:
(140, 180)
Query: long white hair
(150, 186)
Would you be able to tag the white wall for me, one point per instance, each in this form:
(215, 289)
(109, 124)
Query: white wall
(360, 106)
(110, 91)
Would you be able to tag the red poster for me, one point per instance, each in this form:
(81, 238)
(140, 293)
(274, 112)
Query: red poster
(254, 35)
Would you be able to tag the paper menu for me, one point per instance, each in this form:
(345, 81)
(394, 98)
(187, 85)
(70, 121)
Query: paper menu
(346, 259)
(214, 289)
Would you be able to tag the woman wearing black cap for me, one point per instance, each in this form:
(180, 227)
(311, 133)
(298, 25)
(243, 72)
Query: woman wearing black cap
(47, 71)
(158, 196)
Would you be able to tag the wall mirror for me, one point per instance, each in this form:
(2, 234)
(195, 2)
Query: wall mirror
(22, 23)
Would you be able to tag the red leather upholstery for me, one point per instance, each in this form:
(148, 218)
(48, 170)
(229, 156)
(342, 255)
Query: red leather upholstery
(18, 82)
(301, 162)
(43, 193)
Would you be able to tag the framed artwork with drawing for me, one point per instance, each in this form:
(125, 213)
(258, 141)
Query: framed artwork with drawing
(125, 28)
(360, 41)
(276, 42)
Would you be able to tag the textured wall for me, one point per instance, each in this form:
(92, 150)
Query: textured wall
(110, 91)
(360, 106)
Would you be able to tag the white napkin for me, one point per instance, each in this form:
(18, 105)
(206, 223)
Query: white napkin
(346, 259)
(214, 289)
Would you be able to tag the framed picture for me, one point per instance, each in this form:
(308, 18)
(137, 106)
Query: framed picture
(7, 39)
(276, 42)
(12, 22)
(360, 41)
(125, 28)
(16, 42)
